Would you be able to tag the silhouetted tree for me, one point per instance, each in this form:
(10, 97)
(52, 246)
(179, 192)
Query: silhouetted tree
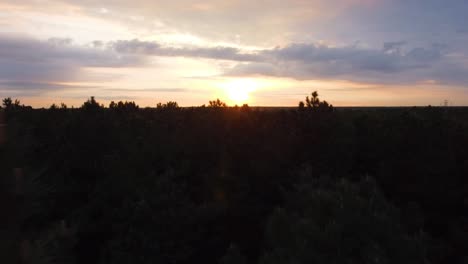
(112, 105)
(53, 107)
(91, 105)
(168, 105)
(9, 104)
(301, 105)
(314, 103)
(127, 105)
(245, 108)
(217, 103)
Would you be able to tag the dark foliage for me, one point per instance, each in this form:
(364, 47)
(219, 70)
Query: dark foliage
(217, 103)
(234, 185)
(335, 221)
(313, 103)
(168, 105)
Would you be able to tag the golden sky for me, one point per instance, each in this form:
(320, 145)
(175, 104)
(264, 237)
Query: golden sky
(267, 53)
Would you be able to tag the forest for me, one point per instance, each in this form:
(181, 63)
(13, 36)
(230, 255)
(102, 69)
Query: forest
(233, 185)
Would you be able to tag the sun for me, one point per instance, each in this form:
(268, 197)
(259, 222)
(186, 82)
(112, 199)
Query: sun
(238, 90)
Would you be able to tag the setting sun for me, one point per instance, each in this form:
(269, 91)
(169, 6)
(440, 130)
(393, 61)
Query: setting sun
(237, 91)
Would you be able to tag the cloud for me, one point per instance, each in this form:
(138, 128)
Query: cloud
(387, 60)
(152, 48)
(35, 66)
(219, 21)
(58, 52)
(255, 68)
(391, 64)
(393, 47)
(258, 23)
(146, 90)
(32, 88)
(30, 64)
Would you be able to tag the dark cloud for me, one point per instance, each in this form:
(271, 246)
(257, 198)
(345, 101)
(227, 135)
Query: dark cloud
(31, 88)
(30, 64)
(60, 52)
(58, 42)
(306, 61)
(391, 64)
(393, 47)
(29, 85)
(158, 90)
(390, 59)
(33, 66)
(136, 46)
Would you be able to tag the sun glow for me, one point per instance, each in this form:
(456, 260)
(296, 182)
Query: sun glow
(238, 90)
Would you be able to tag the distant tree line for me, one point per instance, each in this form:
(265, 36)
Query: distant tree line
(218, 184)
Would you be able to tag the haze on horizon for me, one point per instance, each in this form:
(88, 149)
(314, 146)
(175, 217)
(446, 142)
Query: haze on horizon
(270, 53)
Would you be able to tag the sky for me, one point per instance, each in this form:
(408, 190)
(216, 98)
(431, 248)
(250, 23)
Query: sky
(263, 53)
